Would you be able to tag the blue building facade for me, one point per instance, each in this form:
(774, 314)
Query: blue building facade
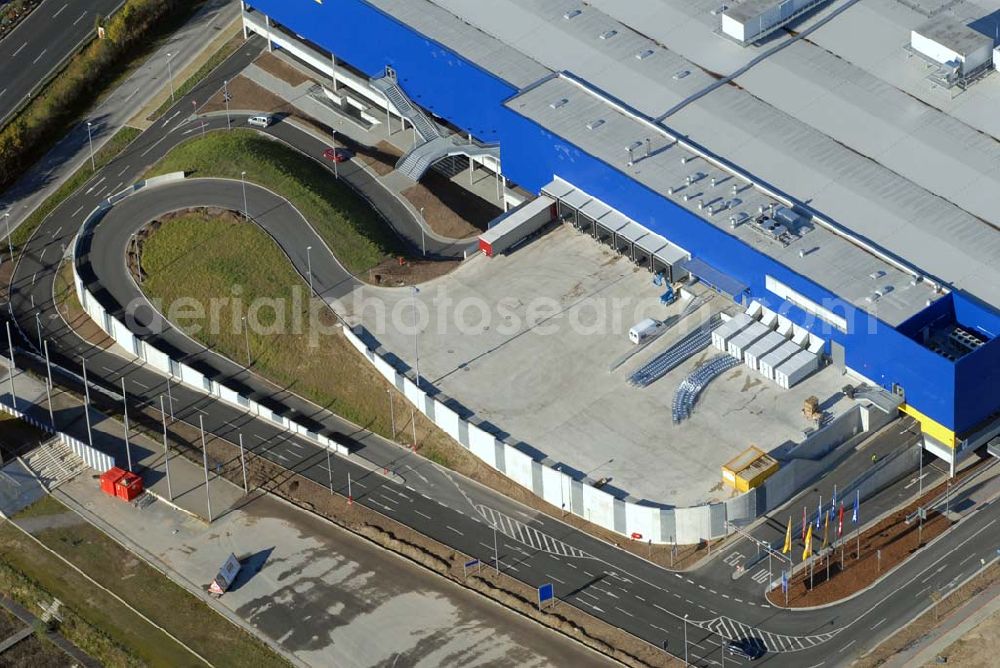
(951, 398)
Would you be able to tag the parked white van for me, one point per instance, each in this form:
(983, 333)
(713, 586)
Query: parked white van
(643, 329)
(259, 121)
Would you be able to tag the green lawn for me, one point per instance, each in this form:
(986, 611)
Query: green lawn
(204, 257)
(102, 157)
(157, 597)
(355, 233)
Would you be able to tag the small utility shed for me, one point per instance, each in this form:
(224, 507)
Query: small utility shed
(945, 40)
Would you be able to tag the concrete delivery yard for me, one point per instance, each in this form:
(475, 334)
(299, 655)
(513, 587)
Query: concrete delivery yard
(550, 385)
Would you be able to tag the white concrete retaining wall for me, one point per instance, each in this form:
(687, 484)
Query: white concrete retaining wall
(158, 359)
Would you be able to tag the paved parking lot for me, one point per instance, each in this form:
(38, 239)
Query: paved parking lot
(526, 341)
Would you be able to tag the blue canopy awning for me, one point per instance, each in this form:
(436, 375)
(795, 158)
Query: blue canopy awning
(713, 277)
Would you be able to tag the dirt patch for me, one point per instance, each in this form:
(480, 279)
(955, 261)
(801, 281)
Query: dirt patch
(397, 272)
(69, 307)
(248, 96)
(272, 64)
(449, 209)
(381, 159)
(975, 653)
(840, 572)
(979, 646)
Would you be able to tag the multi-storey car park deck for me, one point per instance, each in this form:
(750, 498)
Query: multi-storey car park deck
(890, 256)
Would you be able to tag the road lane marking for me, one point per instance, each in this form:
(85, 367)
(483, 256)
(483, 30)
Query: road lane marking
(659, 607)
(392, 501)
(424, 515)
(878, 623)
(454, 529)
(60, 10)
(35, 61)
(80, 18)
(846, 646)
(18, 50)
(555, 578)
(80, 208)
(152, 146)
(625, 611)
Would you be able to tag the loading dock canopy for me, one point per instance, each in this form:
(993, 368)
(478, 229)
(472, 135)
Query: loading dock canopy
(673, 255)
(592, 208)
(558, 189)
(631, 233)
(715, 278)
(651, 243)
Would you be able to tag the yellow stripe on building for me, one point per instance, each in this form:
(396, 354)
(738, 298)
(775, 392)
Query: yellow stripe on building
(932, 428)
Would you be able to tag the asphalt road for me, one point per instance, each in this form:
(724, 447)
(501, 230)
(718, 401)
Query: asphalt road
(651, 603)
(55, 30)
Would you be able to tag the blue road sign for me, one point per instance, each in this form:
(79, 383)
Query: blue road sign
(546, 593)
(470, 564)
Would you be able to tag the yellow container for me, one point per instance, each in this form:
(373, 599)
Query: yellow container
(749, 469)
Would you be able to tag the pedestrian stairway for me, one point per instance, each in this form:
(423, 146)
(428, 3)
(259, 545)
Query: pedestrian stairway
(54, 462)
(433, 145)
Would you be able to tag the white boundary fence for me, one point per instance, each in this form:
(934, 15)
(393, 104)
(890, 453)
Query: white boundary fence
(176, 369)
(94, 458)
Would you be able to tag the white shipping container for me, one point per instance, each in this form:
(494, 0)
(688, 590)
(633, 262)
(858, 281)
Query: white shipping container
(753, 354)
(796, 369)
(749, 336)
(772, 360)
(725, 331)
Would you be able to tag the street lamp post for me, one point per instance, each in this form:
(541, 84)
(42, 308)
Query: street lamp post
(86, 407)
(10, 244)
(310, 269)
(336, 168)
(90, 140)
(246, 339)
(243, 181)
(686, 640)
(392, 413)
(416, 339)
(170, 76)
(225, 96)
(423, 236)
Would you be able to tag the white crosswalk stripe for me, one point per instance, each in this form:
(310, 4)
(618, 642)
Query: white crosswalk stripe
(731, 629)
(533, 538)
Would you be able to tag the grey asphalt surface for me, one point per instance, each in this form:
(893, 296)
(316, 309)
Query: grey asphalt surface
(647, 601)
(55, 30)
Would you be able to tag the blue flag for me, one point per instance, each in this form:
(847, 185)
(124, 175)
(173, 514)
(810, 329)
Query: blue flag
(784, 580)
(856, 515)
(833, 501)
(819, 510)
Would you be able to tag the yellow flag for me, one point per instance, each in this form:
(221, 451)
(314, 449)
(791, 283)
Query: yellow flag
(826, 529)
(808, 549)
(788, 538)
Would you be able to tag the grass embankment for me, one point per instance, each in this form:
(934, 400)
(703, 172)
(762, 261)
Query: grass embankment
(202, 256)
(131, 35)
(98, 623)
(351, 228)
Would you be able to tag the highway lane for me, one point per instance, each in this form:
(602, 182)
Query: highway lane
(597, 577)
(55, 30)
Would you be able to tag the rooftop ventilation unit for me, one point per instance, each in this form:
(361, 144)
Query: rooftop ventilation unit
(608, 34)
(753, 20)
(596, 123)
(562, 102)
(644, 54)
(960, 55)
(572, 14)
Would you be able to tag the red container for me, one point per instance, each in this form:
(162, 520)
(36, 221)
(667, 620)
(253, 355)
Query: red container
(128, 487)
(109, 480)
